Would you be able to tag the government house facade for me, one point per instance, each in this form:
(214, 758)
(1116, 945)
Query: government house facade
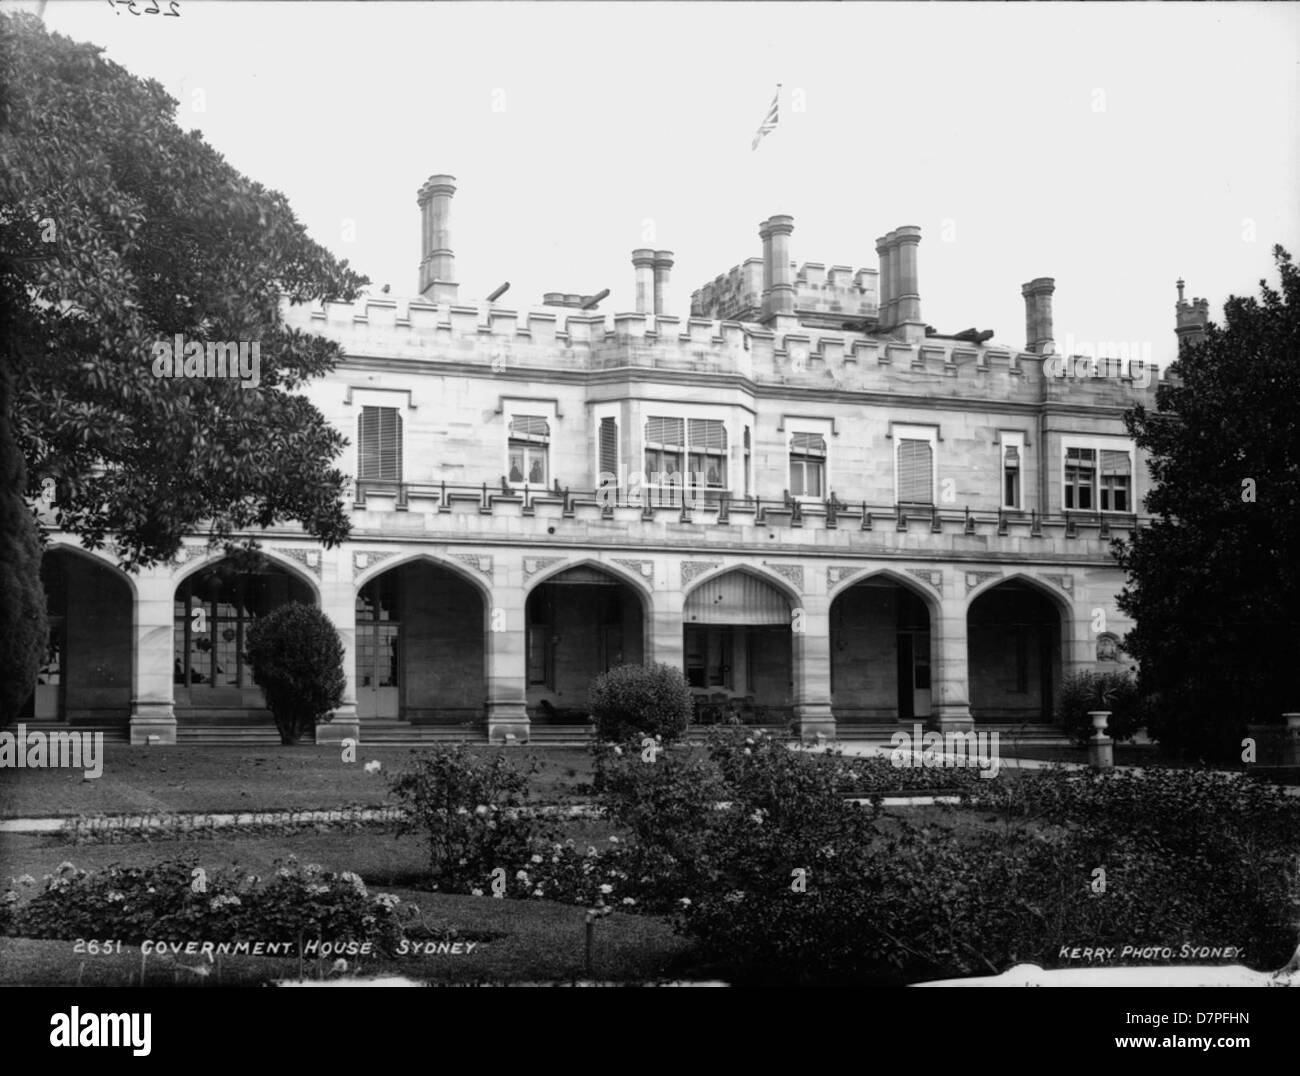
(830, 515)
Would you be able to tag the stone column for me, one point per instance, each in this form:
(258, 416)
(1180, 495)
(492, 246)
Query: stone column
(949, 676)
(153, 713)
(338, 601)
(810, 638)
(643, 261)
(507, 658)
(765, 296)
(663, 262)
(906, 241)
(665, 642)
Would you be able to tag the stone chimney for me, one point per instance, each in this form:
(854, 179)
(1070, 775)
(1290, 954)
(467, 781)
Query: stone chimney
(1191, 318)
(886, 304)
(663, 262)
(437, 262)
(1038, 315)
(643, 261)
(778, 285)
(907, 296)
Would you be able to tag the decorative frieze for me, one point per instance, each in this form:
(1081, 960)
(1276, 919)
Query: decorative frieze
(835, 576)
(976, 579)
(308, 557)
(792, 572)
(693, 568)
(480, 562)
(643, 568)
(534, 564)
(362, 560)
(930, 576)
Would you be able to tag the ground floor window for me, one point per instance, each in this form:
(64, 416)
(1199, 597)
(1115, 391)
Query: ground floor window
(379, 633)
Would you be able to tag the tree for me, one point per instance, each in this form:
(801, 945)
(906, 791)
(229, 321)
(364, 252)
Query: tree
(631, 700)
(1214, 583)
(297, 660)
(119, 230)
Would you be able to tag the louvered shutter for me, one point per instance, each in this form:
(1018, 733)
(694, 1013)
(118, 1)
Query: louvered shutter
(529, 426)
(380, 438)
(665, 431)
(1114, 463)
(808, 444)
(609, 446)
(708, 433)
(914, 472)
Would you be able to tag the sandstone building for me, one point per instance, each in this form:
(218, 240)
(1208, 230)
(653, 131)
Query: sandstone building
(823, 510)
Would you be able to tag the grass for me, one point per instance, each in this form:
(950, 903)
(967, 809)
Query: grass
(175, 779)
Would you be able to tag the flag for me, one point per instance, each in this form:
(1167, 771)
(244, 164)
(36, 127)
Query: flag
(770, 120)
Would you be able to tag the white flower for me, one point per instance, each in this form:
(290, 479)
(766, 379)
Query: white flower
(618, 750)
(748, 751)
(628, 900)
(481, 810)
(64, 866)
(749, 741)
(115, 897)
(685, 902)
(387, 900)
(538, 891)
(373, 766)
(613, 840)
(591, 850)
(607, 888)
(476, 892)
(535, 859)
(757, 817)
(26, 879)
(522, 876)
(340, 965)
(317, 889)
(354, 880)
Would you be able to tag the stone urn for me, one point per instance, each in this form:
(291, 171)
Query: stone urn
(1101, 749)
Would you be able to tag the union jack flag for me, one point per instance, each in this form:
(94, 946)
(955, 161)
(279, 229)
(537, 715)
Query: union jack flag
(770, 120)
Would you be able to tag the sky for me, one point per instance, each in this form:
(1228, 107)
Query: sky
(1114, 147)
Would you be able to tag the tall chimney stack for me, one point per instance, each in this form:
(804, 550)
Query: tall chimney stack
(908, 293)
(1038, 315)
(437, 262)
(643, 261)
(778, 283)
(887, 289)
(663, 261)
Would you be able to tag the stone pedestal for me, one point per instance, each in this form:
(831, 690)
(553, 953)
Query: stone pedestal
(1101, 750)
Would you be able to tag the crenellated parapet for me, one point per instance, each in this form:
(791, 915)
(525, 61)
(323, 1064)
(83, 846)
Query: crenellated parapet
(537, 340)
(823, 297)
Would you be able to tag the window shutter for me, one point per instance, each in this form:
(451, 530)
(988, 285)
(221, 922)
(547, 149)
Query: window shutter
(380, 448)
(808, 444)
(665, 431)
(532, 426)
(1114, 463)
(914, 472)
(708, 433)
(609, 446)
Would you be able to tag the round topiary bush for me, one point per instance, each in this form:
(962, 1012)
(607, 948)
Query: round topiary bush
(633, 699)
(297, 660)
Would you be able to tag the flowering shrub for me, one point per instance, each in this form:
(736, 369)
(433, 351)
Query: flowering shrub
(466, 808)
(169, 902)
(631, 700)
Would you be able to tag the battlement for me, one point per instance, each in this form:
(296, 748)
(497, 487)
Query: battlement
(822, 297)
(503, 341)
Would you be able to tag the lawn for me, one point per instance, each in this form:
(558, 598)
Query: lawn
(160, 780)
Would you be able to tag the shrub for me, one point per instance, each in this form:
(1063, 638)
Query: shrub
(1113, 691)
(467, 807)
(161, 903)
(632, 700)
(297, 660)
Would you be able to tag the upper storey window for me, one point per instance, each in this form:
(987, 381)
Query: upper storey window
(807, 465)
(696, 447)
(379, 455)
(530, 437)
